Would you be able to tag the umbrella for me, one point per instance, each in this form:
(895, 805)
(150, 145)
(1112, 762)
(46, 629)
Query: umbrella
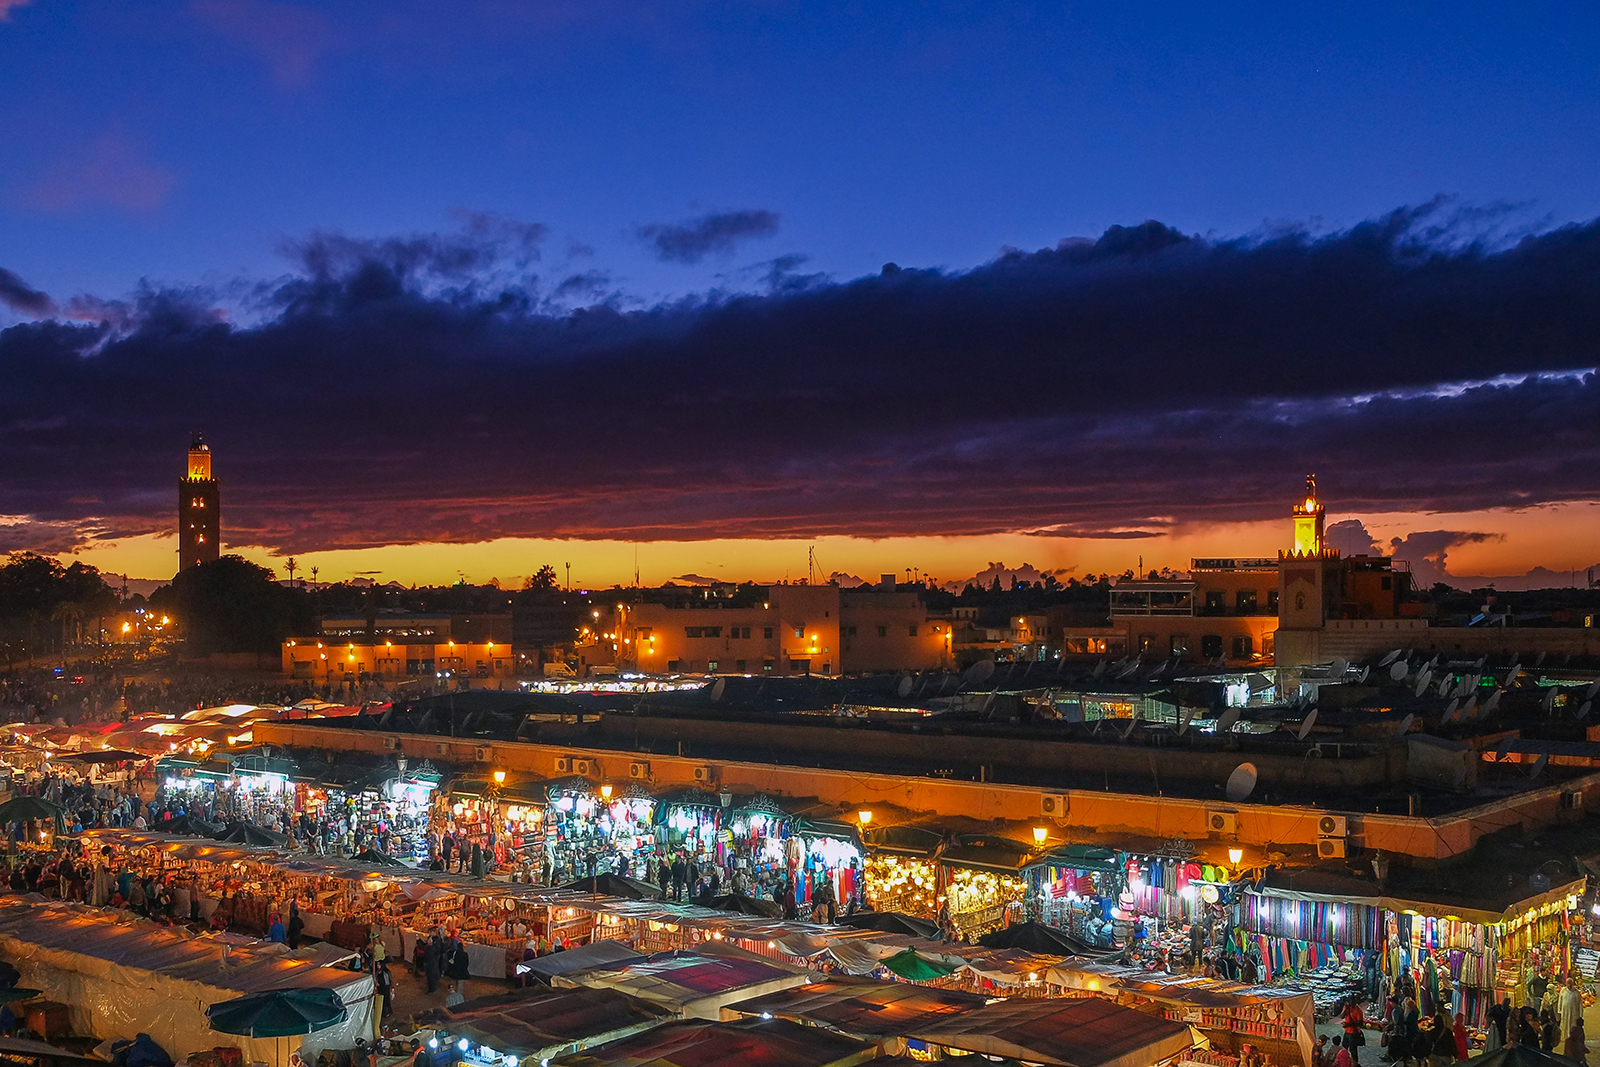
(1037, 937)
(614, 885)
(21, 809)
(244, 833)
(374, 858)
(917, 968)
(746, 905)
(893, 922)
(278, 1013)
(1521, 1056)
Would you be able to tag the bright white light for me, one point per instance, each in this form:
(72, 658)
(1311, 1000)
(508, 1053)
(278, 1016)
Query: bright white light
(462, 1044)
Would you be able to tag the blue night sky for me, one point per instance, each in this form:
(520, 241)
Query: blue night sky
(186, 142)
(595, 272)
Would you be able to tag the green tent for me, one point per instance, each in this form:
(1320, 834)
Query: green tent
(278, 1013)
(915, 968)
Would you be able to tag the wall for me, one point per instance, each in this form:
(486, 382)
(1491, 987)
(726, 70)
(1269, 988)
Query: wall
(1261, 829)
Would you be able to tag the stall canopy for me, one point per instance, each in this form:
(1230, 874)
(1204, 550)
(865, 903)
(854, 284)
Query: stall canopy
(1037, 937)
(753, 1043)
(583, 958)
(546, 1025)
(892, 922)
(696, 985)
(107, 756)
(1444, 901)
(1087, 1032)
(1521, 1056)
(614, 885)
(861, 1008)
(124, 976)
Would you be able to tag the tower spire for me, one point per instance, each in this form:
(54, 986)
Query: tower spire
(1309, 519)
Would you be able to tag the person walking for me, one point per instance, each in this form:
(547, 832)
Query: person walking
(663, 876)
(384, 982)
(433, 961)
(680, 877)
(1353, 1021)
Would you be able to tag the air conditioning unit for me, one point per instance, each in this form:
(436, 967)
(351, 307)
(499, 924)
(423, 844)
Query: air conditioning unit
(1333, 826)
(638, 769)
(704, 774)
(563, 764)
(585, 767)
(1053, 805)
(1222, 822)
(485, 754)
(391, 743)
(1573, 800)
(1332, 848)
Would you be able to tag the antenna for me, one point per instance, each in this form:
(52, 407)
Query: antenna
(1306, 724)
(1241, 783)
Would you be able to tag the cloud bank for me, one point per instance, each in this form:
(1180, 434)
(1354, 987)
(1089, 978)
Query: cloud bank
(422, 390)
(692, 241)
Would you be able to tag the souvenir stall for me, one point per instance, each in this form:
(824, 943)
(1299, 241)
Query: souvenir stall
(691, 821)
(983, 884)
(1275, 1027)
(1075, 888)
(386, 808)
(1171, 905)
(753, 850)
(902, 873)
(585, 826)
(832, 853)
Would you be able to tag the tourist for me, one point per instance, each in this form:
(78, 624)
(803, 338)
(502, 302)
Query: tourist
(1354, 1023)
(1575, 1049)
(384, 982)
(277, 933)
(1499, 1016)
(1463, 1046)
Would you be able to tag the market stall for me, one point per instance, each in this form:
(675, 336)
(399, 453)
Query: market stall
(983, 885)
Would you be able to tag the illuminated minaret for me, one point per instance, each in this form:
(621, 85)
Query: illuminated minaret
(199, 510)
(1309, 516)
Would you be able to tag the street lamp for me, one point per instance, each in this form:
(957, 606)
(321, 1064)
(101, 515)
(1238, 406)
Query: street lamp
(1039, 834)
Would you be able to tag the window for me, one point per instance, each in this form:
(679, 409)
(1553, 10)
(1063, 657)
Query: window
(1245, 599)
(1242, 647)
(1211, 646)
(849, 631)
(911, 631)
(702, 631)
(767, 664)
(1147, 643)
(738, 665)
(800, 632)
(883, 631)
(736, 633)
(1215, 604)
(766, 631)
(1386, 584)
(1272, 602)
(674, 664)
(712, 666)
(1180, 645)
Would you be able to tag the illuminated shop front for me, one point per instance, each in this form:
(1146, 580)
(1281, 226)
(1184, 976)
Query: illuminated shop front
(902, 869)
(1075, 889)
(595, 829)
(983, 884)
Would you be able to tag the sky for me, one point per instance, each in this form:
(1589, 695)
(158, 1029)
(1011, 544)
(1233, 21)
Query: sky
(462, 289)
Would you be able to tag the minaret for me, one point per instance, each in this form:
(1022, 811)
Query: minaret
(1309, 517)
(199, 510)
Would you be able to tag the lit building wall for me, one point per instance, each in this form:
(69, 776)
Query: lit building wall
(334, 661)
(199, 509)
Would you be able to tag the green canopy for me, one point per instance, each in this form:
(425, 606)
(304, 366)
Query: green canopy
(21, 809)
(278, 1013)
(915, 968)
(16, 993)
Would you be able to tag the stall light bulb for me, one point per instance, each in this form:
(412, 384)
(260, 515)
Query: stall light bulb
(462, 1044)
(433, 1042)
(511, 1061)
(1235, 856)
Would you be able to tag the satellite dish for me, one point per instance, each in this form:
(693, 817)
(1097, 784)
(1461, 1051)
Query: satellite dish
(1470, 709)
(1405, 725)
(1390, 658)
(1593, 690)
(1306, 724)
(1493, 701)
(1539, 660)
(1241, 783)
(1132, 722)
(1229, 719)
(717, 688)
(980, 672)
(1538, 766)
(1185, 717)
(988, 700)
(1448, 717)
(1550, 699)
(1422, 685)
(1511, 679)
(1364, 672)
(1503, 747)
(1445, 685)
(1583, 712)
(1425, 677)
(1340, 666)
(903, 688)
(1450, 708)
(1398, 671)
(1100, 668)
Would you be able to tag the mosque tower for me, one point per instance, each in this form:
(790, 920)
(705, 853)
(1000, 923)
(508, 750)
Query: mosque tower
(199, 510)
(1309, 519)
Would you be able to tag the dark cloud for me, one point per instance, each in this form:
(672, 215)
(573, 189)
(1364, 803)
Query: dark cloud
(692, 241)
(415, 390)
(18, 295)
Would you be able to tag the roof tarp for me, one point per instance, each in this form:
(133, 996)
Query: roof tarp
(550, 1024)
(1086, 1032)
(861, 1008)
(124, 976)
(752, 1043)
(585, 957)
(696, 985)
